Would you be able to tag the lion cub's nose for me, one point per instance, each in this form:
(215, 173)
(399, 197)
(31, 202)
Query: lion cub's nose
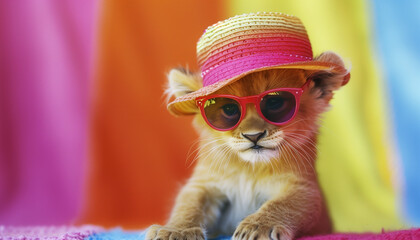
(254, 137)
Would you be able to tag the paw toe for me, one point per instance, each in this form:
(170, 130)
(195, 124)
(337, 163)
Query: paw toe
(278, 233)
(246, 231)
(195, 233)
(175, 236)
(164, 233)
(152, 231)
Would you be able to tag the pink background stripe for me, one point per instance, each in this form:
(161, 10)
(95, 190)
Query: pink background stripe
(45, 70)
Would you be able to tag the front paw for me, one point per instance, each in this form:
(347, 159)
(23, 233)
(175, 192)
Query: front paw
(256, 229)
(157, 232)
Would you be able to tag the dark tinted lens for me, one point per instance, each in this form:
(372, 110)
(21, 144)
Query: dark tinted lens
(222, 113)
(279, 106)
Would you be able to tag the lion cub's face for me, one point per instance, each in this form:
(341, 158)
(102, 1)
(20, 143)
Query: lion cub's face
(256, 140)
(296, 138)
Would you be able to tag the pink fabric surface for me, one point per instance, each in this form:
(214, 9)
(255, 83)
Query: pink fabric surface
(98, 233)
(45, 70)
(48, 233)
(411, 234)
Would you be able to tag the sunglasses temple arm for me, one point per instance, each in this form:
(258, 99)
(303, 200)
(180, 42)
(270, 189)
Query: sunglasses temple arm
(306, 84)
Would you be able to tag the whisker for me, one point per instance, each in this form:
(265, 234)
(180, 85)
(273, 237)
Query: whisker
(307, 157)
(304, 140)
(294, 153)
(215, 159)
(209, 154)
(200, 148)
(222, 157)
(271, 163)
(282, 149)
(229, 157)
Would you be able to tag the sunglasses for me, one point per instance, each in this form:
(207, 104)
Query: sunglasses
(276, 106)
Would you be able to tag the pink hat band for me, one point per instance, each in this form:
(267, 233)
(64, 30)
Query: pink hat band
(251, 42)
(256, 54)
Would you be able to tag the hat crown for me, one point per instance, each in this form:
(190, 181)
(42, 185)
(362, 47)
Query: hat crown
(249, 42)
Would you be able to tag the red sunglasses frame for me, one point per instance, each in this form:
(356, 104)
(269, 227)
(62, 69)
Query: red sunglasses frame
(255, 99)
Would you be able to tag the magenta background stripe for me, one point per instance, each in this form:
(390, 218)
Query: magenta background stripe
(45, 80)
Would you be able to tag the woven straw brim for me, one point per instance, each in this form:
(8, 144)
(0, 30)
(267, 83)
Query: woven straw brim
(184, 105)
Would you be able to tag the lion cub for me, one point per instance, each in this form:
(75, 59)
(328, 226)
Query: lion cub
(257, 180)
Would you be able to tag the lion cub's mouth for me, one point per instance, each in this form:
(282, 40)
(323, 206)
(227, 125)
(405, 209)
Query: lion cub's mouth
(258, 147)
(258, 153)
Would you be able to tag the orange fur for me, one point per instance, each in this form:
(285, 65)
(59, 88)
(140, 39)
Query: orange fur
(268, 194)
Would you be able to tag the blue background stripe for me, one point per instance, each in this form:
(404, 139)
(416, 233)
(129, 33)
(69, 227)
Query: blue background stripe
(397, 26)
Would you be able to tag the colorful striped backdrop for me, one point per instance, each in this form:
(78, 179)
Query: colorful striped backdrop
(85, 136)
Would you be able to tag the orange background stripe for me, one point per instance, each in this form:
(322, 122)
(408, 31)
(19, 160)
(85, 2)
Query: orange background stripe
(139, 149)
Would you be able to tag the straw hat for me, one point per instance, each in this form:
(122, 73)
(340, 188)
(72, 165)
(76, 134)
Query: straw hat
(233, 48)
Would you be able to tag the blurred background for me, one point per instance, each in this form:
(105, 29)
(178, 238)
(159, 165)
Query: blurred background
(85, 136)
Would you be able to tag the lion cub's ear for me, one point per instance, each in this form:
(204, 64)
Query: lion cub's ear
(182, 82)
(328, 81)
